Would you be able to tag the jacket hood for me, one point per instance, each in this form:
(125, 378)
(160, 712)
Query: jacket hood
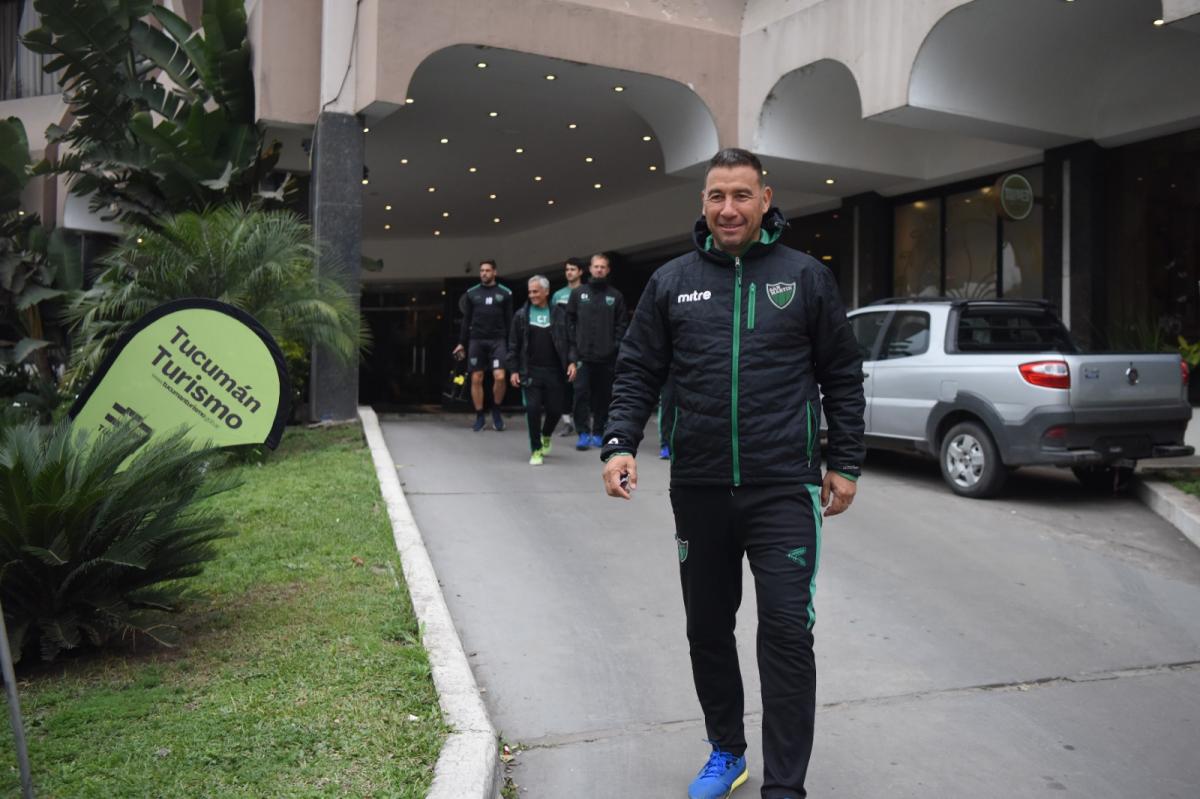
(773, 224)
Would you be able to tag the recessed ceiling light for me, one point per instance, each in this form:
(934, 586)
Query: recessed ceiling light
(1158, 23)
(491, 196)
(596, 185)
(472, 169)
(647, 138)
(387, 227)
(387, 207)
(549, 202)
(572, 126)
(496, 219)
(537, 177)
(437, 232)
(444, 140)
(653, 168)
(139, 238)
(445, 214)
(482, 65)
(618, 88)
(829, 181)
(404, 160)
(550, 77)
(826, 257)
(589, 159)
(433, 188)
(519, 150)
(366, 130)
(366, 181)
(408, 101)
(22, 213)
(493, 114)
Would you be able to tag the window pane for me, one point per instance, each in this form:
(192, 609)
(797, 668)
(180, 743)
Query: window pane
(917, 247)
(1011, 330)
(1021, 253)
(907, 335)
(971, 244)
(866, 329)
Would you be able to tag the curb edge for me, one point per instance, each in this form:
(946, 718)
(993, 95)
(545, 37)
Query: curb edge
(1180, 509)
(468, 766)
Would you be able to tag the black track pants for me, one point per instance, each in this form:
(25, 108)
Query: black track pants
(542, 394)
(779, 529)
(600, 383)
(579, 402)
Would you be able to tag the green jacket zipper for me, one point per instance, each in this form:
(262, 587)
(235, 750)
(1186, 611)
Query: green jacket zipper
(750, 307)
(737, 343)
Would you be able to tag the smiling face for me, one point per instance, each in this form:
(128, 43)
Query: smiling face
(734, 202)
(538, 293)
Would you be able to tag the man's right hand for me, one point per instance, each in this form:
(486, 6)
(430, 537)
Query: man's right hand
(515, 379)
(458, 352)
(615, 468)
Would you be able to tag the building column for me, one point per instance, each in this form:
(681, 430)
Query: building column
(336, 197)
(867, 240)
(1074, 250)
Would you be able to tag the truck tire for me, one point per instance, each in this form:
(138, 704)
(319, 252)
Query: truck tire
(1104, 479)
(970, 462)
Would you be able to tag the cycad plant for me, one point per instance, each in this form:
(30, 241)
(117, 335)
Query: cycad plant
(258, 261)
(97, 532)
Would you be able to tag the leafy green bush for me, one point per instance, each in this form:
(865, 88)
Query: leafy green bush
(255, 260)
(97, 533)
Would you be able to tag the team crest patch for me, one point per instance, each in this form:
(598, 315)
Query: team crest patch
(610, 300)
(683, 548)
(781, 294)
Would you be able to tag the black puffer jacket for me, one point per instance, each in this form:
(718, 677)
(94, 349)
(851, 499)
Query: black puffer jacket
(755, 347)
(596, 321)
(518, 343)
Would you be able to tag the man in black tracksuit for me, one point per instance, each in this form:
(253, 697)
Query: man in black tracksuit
(755, 342)
(537, 363)
(486, 309)
(596, 323)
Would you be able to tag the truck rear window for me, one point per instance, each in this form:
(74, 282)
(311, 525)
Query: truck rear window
(1011, 330)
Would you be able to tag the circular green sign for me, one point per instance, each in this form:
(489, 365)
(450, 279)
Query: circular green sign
(1015, 197)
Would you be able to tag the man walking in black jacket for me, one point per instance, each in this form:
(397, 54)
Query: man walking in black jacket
(754, 339)
(596, 323)
(537, 363)
(486, 309)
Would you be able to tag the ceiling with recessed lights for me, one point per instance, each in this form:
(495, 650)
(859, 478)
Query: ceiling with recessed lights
(499, 141)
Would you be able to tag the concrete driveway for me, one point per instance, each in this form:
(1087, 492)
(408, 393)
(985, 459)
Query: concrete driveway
(1043, 644)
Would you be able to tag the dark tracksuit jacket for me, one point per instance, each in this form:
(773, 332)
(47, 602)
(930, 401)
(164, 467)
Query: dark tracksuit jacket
(486, 311)
(543, 388)
(754, 346)
(596, 323)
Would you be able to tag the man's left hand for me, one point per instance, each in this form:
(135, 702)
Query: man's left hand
(837, 493)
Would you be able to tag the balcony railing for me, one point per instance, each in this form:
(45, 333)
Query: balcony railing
(21, 72)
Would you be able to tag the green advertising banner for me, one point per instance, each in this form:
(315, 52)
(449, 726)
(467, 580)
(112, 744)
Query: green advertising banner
(197, 363)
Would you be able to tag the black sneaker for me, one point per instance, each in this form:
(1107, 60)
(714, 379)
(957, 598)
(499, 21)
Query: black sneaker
(478, 425)
(497, 420)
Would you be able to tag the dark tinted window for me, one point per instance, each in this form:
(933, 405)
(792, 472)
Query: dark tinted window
(866, 328)
(1011, 330)
(907, 335)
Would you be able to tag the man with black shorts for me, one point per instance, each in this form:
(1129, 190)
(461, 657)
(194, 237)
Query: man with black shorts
(486, 309)
(753, 337)
(537, 361)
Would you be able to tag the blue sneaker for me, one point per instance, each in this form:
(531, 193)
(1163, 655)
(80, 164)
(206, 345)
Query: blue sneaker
(597, 442)
(665, 453)
(722, 773)
(497, 420)
(584, 442)
(478, 425)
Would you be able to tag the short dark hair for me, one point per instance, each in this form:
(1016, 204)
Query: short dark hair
(735, 156)
(607, 258)
(577, 262)
(491, 261)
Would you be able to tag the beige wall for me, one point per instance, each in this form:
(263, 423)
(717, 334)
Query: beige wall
(407, 33)
(285, 42)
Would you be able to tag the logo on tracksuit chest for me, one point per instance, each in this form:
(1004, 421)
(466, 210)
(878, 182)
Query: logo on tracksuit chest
(781, 294)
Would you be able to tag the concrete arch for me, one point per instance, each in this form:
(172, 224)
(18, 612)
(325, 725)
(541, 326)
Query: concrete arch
(403, 35)
(1064, 72)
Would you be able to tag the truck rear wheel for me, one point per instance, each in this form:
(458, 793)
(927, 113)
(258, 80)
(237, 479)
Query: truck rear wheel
(970, 462)
(1104, 479)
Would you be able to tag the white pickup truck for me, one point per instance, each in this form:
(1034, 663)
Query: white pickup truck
(989, 385)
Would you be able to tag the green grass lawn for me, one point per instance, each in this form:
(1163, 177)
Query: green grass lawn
(1184, 479)
(300, 672)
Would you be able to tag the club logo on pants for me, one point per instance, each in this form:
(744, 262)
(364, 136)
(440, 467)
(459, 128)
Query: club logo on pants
(781, 294)
(683, 548)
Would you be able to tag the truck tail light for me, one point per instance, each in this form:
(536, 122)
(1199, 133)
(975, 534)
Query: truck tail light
(1183, 371)
(1048, 374)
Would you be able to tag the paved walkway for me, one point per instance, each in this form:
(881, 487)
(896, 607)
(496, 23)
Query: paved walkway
(1044, 644)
